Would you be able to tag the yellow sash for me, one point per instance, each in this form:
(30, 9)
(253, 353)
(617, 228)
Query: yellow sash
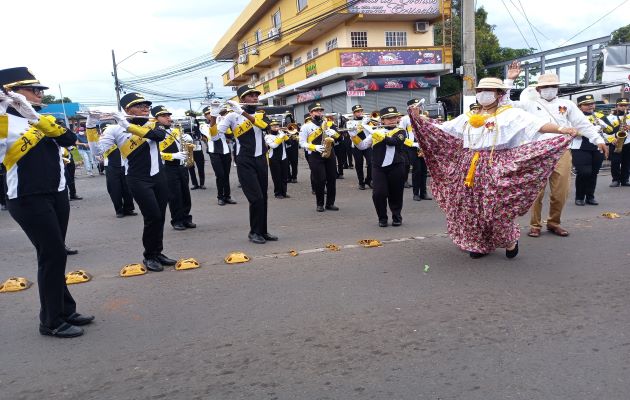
(131, 145)
(242, 128)
(4, 126)
(109, 151)
(20, 147)
(314, 135)
(379, 138)
(169, 139)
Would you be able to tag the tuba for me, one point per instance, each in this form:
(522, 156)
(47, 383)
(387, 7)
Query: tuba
(622, 133)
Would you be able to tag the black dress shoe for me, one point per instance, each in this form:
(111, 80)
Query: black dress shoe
(120, 215)
(194, 187)
(64, 330)
(77, 319)
(131, 213)
(614, 184)
(293, 180)
(165, 260)
(382, 223)
(256, 238)
(229, 201)
(407, 185)
(592, 201)
(179, 227)
(397, 221)
(320, 208)
(476, 255)
(625, 184)
(202, 187)
(370, 185)
(361, 187)
(512, 253)
(279, 196)
(332, 207)
(426, 197)
(579, 202)
(221, 202)
(189, 224)
(286, 196)
(340, 177)
(70, 251)
(75, 197)
(351, 166)
(269, 237)
(416, 197)
(153, 264)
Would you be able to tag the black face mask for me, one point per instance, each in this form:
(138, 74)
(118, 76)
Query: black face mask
(250, 109)
(138, 121)
(318, 120)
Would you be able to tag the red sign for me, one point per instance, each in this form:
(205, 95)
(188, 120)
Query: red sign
(355, 93)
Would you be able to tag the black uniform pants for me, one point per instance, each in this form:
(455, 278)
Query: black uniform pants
(279, 170)
(252, 173)
(69, 174)
(292, 164)
(389, 184)
(178, 194)
(620, 163)
(151, 194)
(587, 164)
(199, 162)
(118, 190)
(221, 164)
(323, 175)
(349, 153)
(358, 165)
(44, 219)
(340, 153)
(418, 172)
(3, 189)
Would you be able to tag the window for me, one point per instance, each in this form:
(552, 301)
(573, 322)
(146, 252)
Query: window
(259, 37)
(275, 18)
(395, 39)
(331, 44)
(281, 70)
(245, 47)
(301, 4)
(297, 62)
(315, 52)
(358, 39)
(309, 55)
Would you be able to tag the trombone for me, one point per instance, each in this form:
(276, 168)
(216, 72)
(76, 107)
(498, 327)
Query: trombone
(291, 130)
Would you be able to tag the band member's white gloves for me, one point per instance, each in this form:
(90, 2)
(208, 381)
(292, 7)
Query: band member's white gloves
(319, 148)
(121, 120)
(179, 156)
(353, 133)
(281, 134)
(235, 106)
(215, 108)
(186, 138)
(5, 102)
(330, 132)
(23, 106)
(91, 121)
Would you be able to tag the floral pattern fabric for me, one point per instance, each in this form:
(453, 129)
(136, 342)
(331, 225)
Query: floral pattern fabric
(481, 218)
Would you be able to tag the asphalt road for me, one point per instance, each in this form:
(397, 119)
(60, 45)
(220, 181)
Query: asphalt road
(354, 324)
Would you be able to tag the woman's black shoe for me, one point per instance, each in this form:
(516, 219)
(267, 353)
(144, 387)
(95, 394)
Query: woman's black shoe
(512, 253)
(64, 330)
(476, 255)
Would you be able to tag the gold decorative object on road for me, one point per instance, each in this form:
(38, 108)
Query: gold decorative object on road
(132, 270)
(236, 258)
(15, 284)
(186, 263)
(79, 276)
(333, 247)
(370, 243)
(611, 215)
(293, 253)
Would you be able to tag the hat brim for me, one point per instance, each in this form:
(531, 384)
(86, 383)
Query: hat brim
(138, 101)
(584, 102)
(163, 113)
(249, 91)
(316, 109)
(497, 86)
(357, 109)
(391, 115)
(34, 85)
(547, 84)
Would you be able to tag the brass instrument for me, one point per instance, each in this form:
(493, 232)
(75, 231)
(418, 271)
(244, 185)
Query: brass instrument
(375, 115)
(328, 143)
(291, 130)
(622, 134)
(187, 148)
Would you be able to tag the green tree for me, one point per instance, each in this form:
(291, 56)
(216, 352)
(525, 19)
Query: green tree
(618, 36)
(50, 99)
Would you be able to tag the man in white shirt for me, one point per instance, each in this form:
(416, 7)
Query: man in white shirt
(564, 113)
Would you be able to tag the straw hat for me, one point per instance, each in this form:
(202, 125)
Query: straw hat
(548, 80)
(491, 83)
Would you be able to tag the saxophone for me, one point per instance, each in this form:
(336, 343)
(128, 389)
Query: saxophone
(328, 142)
(622, 133)
(187, 149)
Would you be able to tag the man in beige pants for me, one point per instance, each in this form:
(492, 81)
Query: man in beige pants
(564, 113)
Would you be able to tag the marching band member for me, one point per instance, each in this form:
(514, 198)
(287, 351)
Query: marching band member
(199, 159)
(355, 127)
(278, 163)
(388, 168)
(307, 119)
(219, 151)
(36, 193)
(292, 146)
(138, 141)
(251, 158)
(586, 157)
(487, 168)
(561, 112)
(323, 170)
(619, 162)
(114, 170)
(416, 159)
(171, 151)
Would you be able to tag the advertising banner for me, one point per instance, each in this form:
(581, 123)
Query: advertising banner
(416, 82)
(420, 7)
(395, 57)
(310, 95)
(311, 69)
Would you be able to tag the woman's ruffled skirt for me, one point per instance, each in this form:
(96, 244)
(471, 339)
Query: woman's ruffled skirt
(482, 218)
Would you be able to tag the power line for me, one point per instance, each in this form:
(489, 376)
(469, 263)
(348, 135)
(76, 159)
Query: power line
(602, 17)
(515, 24)
(529, 23)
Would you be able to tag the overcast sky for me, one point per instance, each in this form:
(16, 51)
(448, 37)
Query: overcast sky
(69, 43)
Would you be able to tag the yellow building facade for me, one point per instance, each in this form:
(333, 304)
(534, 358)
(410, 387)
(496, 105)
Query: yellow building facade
(376, 53)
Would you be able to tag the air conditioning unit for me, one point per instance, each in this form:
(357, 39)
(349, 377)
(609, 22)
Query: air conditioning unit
(274, 33)
(421, 27)
(255, 77)
(286, 60)
(254, 51)
(242, 59)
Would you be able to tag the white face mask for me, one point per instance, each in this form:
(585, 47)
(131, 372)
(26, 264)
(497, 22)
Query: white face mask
(549, 93)
(486, 98)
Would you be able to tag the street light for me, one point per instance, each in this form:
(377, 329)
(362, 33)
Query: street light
(116, 83)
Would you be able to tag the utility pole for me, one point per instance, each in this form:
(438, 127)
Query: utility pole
(207, 88)
(116, 85)
(468, 51)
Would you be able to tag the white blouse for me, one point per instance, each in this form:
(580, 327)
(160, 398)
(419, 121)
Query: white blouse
(508, 128)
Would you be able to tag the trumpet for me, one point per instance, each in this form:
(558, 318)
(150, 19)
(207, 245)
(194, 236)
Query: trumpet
(290, 129)
(375, 115)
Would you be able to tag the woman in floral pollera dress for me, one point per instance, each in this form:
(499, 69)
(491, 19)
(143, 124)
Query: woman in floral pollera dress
(488, 168)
